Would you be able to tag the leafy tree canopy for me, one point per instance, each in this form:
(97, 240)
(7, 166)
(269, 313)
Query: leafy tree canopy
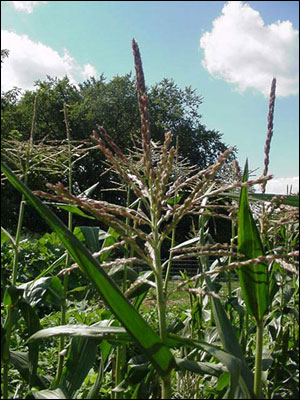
(112, 104)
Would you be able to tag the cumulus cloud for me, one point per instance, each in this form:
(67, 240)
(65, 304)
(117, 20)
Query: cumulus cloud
(243, 50)
(29, 61)
(88, 71)
(279, 185)
(26, 6)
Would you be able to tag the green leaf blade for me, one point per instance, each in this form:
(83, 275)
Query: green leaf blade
(253, 278)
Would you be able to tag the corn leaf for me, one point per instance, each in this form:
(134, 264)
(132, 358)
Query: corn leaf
(33, 324)
(136, 326)
(5, 236)
(198, 367)
(94, 390)
(89, 191)
(43, 290)
(54, 265)
(89, 235)
(187, 243)
(57, 393)
(230, 342)
(20, 361)
(253, 278)
(110, 239)
(289, 200)
(232, 363)
(81, 357)
(110, 333)
(70, 208)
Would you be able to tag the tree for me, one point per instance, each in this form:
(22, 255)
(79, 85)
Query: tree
(113, 105)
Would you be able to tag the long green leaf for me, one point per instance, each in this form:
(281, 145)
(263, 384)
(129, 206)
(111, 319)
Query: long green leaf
(57, 393)
(54, 265)
(33, 325)
(89, 235)
(232, 363)
(94, 390)
(230, 341)
(202, 368)
(89, 191)
(111, 238)
(111, 333)
(48, 289)
(289, 200)
(253, 278)
(7, 236)
(70, 208)
(20, 361)
(81, 357)
(137, 327)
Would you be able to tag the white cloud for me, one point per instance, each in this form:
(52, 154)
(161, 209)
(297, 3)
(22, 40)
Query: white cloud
(88, 71)
(29, 61)
(244, 51)
(279, 185)
(26, 6)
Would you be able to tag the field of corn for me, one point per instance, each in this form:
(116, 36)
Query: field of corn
(104, 319)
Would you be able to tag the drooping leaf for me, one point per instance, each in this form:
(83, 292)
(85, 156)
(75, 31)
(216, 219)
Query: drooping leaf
(33, 325)
(232, 363)
(94, 391)
(253, 278)
(90, 236)
(57, 393)
(70, 208)
(111, 238)
(202, 368)
(47, 289)
(117, 274)
(12, 296)
(54, 265)
(230, 341)
(80, 359)
(15, 297)
(288, 200)
(87, 192)
(5, 236)
(110, 333)
(137, 369)
(187, 242)
(20, 361)
(140, 286)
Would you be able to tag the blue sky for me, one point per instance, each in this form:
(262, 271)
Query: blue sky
(228, 51)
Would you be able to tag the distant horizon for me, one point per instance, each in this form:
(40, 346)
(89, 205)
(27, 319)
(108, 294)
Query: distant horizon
(228, 51)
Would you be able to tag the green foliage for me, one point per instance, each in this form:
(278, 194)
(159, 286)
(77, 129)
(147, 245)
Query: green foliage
(128, 334)
(279, 365)
(135, 325)
(35, 255)
(114, 105)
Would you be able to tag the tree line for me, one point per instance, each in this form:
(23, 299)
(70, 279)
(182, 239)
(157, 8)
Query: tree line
(111, 104)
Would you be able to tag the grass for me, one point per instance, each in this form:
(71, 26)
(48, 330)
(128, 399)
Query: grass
(181, 299)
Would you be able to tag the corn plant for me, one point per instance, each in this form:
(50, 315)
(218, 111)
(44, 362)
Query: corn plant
(166, 191)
